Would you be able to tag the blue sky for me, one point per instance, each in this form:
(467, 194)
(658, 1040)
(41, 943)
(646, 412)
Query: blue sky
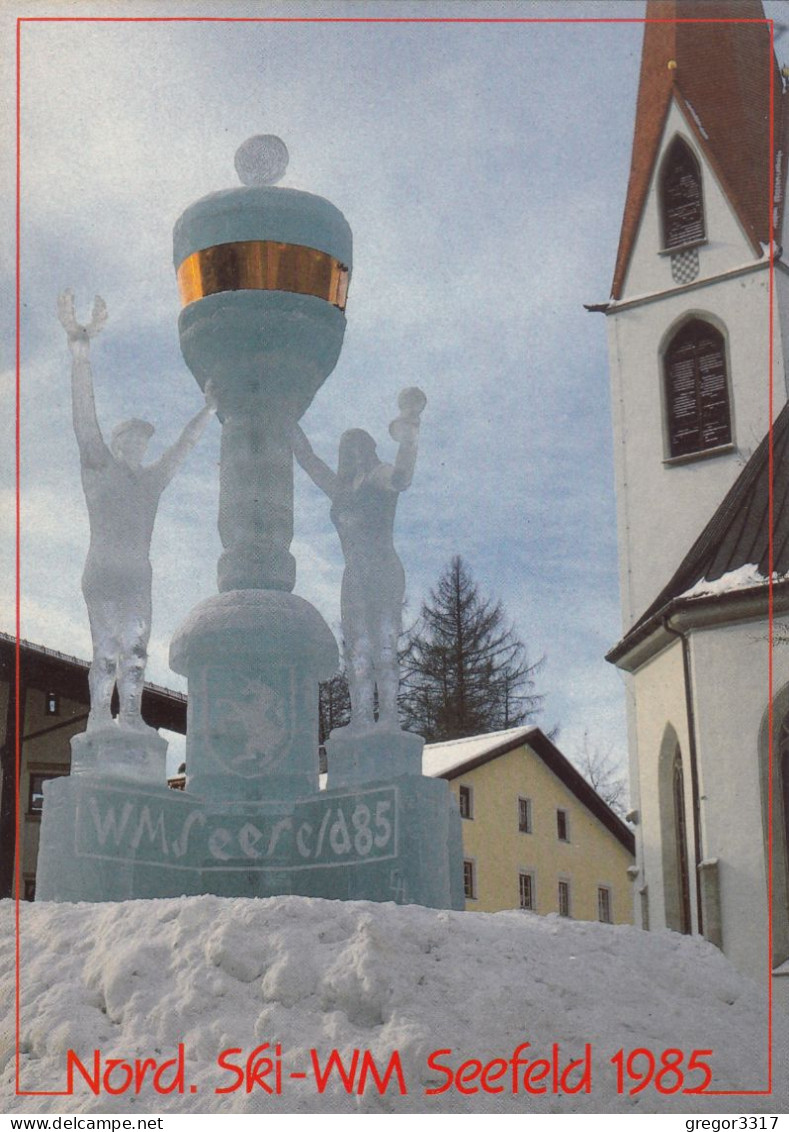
(482, 168)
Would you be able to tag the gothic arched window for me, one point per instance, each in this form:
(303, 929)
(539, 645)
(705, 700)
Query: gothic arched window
(681, 842)
(676, 835)
(681, 202)
(781, 788)
(696, 390)
(774, 753)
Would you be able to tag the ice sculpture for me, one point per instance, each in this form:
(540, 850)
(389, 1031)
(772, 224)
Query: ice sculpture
(263, 273)
(122, 495)
(364, 493)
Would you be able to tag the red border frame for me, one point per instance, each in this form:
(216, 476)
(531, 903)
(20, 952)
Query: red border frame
(17, 558)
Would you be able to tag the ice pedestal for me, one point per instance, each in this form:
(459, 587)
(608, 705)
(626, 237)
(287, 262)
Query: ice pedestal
(121, 753)
(252, 821)
(357, 757)
(253, 659)
(394, 840)
(109, 840)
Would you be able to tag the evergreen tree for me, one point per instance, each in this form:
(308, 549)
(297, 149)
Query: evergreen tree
(464, 671)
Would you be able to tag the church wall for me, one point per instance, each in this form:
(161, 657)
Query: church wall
(656, 495)
(772, 768)
(716, 275)
(660, 722)
(730, 692)
(781, 353)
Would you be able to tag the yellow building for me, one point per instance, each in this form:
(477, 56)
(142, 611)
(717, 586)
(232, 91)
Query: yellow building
(535, 833)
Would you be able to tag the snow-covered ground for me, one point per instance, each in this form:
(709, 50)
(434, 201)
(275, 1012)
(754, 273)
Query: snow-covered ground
(141, 979)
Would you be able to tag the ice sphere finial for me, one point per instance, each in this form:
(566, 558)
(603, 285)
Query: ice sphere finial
(261, 160)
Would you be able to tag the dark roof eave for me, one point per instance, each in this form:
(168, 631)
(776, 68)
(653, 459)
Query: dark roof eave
(564, 771)
(650, 636)
(66, 662)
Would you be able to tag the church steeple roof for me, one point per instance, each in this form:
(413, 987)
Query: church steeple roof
(714, 57)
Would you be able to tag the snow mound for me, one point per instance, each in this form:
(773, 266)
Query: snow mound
(143, 978)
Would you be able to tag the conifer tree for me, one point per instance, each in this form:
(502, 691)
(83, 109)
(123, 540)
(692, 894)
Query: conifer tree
(464, 671)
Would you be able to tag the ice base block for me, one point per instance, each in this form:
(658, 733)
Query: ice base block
(123, 753)
(396, 840)
(358, 757)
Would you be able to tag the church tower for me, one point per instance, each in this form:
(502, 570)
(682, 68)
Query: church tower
(699, 312)
(689, 316)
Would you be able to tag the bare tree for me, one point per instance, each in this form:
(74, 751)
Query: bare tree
(334, 705)
(604, 773)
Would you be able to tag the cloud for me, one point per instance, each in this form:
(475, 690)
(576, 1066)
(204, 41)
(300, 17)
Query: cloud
(455, 153)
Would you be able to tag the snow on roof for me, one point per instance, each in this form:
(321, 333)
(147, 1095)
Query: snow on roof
(734, 550)
(743, 578)
(439, 758)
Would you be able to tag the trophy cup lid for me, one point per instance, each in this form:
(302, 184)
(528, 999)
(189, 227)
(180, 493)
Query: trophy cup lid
(261, 210)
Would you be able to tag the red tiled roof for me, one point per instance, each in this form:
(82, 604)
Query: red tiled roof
(723, 79)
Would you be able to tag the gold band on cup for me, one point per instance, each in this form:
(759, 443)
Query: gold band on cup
(263, 265)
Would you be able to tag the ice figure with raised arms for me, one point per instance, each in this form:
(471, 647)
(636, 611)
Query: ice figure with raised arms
(122, 495)
(263, 273)
(364, 493)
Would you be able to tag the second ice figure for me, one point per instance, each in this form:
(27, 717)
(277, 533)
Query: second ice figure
(364, 493)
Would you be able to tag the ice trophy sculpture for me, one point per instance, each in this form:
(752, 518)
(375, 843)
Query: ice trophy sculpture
(263, 274)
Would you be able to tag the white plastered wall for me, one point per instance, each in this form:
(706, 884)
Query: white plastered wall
(729, 666)
(663, 505)
(727, 245)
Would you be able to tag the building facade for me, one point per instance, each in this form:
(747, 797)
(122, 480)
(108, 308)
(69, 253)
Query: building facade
(536, 836)
(697, 326)
(44, 700)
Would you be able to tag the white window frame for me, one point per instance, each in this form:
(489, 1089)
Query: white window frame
(564, 882)
(527, 874)
(529, 828)
(471, 864)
